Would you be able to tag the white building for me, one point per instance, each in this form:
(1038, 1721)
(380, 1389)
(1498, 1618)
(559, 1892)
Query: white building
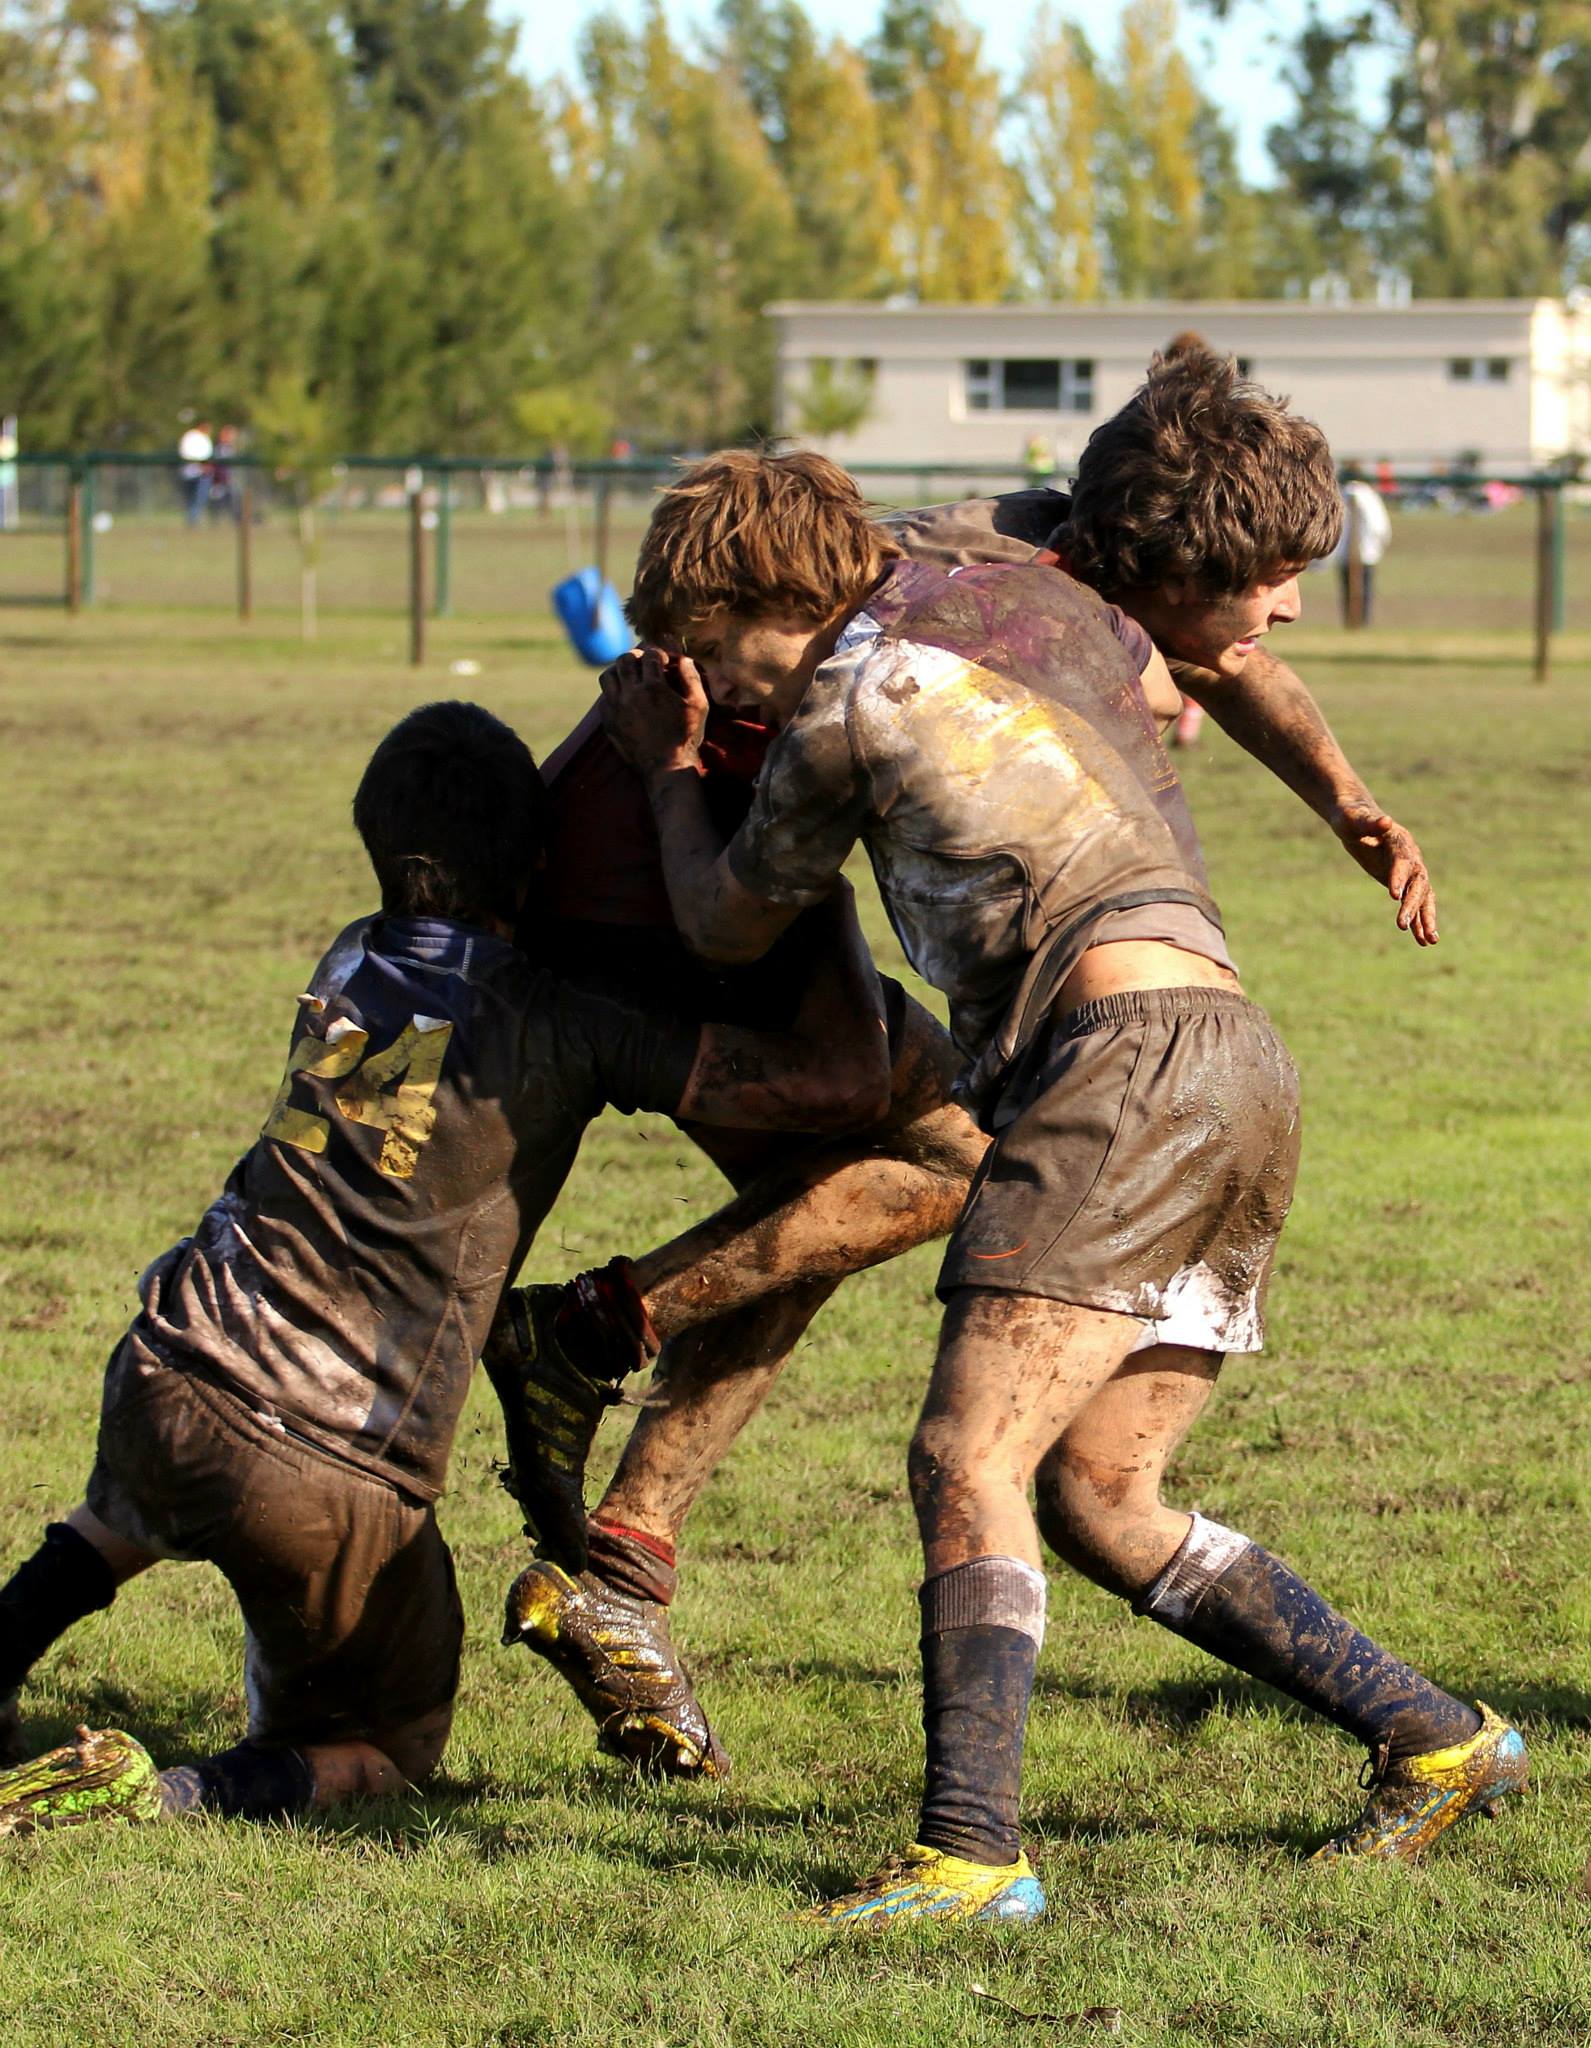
(1417, 384)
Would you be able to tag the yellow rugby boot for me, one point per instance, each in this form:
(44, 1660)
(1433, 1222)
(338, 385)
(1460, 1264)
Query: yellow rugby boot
(103, 1775)
(1415, 1800)
(616, 1653)
(924, 1883)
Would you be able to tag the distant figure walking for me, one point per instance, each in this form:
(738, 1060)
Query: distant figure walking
(1367, 528)
(195, 450)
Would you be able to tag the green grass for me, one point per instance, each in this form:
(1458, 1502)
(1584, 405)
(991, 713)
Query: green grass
(178, 851)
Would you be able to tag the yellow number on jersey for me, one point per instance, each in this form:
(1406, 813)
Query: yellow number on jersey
(405, 1112)
(327, 1058)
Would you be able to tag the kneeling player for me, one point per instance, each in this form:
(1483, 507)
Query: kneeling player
(285, 1402)
(984, 737)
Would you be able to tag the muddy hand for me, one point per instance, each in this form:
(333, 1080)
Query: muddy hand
(1390, 854)
(655, 710)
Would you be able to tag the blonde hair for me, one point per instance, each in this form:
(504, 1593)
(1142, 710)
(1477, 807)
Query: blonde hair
(759, 536)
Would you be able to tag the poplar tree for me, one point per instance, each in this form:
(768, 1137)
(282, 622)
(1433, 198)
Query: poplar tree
(941, 112)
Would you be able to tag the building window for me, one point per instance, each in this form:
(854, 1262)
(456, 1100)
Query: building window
(1478, 369)
(1029, 384)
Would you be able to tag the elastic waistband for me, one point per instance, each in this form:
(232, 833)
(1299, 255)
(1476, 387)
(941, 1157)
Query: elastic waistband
(1152, 1006)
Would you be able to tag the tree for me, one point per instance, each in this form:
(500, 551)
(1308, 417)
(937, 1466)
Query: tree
(941, 114)
(1059, 115)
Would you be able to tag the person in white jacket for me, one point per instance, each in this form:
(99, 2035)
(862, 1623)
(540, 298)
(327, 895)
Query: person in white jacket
(1368, 522)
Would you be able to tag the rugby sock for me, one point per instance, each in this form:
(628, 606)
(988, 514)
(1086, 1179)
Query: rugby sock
(245, 1783)
(1244, 1606)
(983, 1624)
(630, 1561)
(601, 1323)
(63, 1580)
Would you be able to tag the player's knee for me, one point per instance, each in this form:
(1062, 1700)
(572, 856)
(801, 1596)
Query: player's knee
(1091, 1518)
(415, 1749)
(942, 1468)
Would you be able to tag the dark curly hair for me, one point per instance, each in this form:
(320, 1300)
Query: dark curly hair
(452, 812)
(1201, 476)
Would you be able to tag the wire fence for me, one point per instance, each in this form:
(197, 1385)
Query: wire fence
(487, 541)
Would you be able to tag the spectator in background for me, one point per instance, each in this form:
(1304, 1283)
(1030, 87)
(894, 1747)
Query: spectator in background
(1040, 462)
(195, 450)
(1367, 528)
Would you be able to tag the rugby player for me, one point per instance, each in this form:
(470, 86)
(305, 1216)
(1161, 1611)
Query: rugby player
(986, 738)
(284, 1403)
(606, 921)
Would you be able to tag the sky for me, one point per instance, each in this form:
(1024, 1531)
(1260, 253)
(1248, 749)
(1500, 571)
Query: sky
(1236, 61)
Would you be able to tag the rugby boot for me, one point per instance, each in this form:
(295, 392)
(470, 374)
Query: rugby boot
(616, 1653)
(552, 1409)
(923, 1884)
(1418, 1798)
(103, 1775)
(13, 1745)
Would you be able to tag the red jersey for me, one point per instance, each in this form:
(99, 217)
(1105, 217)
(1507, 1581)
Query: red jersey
(604, 863)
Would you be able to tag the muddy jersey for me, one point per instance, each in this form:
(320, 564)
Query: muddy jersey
(1009, 528)
(437, 1086)
(984, 733)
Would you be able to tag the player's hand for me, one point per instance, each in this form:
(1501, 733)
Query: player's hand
(654, 709)
(1390, 854)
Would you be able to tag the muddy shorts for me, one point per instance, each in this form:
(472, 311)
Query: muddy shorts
(1143, 1162)
(353, 1619)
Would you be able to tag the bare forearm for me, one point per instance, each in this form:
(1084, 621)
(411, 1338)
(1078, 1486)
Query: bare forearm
(693, 867)
(1269, 711)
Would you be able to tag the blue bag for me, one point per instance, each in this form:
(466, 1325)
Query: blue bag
(592, 617)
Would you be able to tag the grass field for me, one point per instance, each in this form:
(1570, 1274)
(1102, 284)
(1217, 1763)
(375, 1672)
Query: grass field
(177, 853)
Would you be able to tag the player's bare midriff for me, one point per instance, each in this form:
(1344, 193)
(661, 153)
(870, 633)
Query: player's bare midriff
(1120, 964)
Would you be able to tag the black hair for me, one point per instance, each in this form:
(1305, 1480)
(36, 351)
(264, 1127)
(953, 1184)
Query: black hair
(453, 814)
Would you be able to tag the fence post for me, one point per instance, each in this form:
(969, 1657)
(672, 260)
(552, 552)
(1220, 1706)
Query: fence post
(1544, 581)
(416, 481)
(602, 526)
(1558, 550)
(74, 540)
(442, 603)
(1356, 568)
(90, 513)
(246, 547)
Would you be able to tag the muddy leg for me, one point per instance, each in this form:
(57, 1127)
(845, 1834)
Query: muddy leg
(1100, 1507)
(764, 1264)
(1012, 1372)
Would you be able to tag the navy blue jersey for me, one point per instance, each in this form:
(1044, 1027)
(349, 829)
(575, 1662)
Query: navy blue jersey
(436, 1090)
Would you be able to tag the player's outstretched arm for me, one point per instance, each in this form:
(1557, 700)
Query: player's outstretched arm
(1269, 711)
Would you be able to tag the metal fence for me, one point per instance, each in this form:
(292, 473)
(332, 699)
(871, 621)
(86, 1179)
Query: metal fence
(428, 538)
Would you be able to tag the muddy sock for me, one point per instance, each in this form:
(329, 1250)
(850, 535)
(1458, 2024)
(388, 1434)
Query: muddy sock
(63, 1580)
(630, 1561)
(1244, 1606)
(602, 1324)
(246, 1783)
(983, 1624)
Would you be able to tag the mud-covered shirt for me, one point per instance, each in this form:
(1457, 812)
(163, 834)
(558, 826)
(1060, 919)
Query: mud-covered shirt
(984, 733)
(436, 1090)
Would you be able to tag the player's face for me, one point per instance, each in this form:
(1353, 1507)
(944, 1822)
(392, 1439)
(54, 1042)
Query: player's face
(1220, 632)
(758, 668)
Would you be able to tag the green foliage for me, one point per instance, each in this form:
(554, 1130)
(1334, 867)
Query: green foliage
(203, 202)
(836, 398)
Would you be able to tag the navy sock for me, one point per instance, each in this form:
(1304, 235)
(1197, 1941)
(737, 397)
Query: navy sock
(982, 1625)
(63, 1580)
(245, 1783)
(1244, 1606)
